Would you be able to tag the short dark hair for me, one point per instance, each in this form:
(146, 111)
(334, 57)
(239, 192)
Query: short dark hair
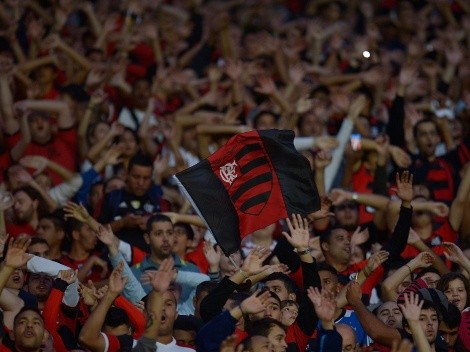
(188, 323)
(427, 270)
(156, 218)
(325, 236)
(262, 326)
(140, 159)
(25, 309)
(264, 112)
(189, 230)
(323, 266)
(36, 240)
(57, 218)
(423, 121)
(116, 317)
(289, 302)
(426, 305)
(286, 280)
(238, 297)
(73, 225)
(205, 286)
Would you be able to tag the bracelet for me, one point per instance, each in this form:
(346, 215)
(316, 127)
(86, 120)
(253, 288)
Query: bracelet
(303, 252)
(411, 274)
(367, 274)
(354, 196)
(243, 274)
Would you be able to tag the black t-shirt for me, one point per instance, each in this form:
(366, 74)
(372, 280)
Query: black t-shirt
(120, 203)
(441, 344)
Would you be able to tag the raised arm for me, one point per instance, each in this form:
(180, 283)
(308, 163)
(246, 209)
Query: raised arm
(65, 118)
(373, 326)
(90, 335)
(411, 310)
(15, 258)
(390, 284)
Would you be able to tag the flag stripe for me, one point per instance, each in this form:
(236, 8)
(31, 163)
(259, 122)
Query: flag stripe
(293, 172)
(216, 208)
(247, 149)
(260, 198)
(254, 164)
(255, 181)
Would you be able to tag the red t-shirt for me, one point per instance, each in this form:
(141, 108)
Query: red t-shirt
(14, 230)
(362, 181)
(444, 233)
(62, 149)
(94, 274)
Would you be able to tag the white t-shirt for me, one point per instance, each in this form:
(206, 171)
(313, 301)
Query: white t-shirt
(125, 118)
(172, 347)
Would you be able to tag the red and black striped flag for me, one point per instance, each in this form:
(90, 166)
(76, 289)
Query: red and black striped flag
(255, 179)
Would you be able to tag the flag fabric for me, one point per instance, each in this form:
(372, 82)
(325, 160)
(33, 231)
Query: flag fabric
(255, 179)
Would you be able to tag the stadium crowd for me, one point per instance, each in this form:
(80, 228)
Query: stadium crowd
(102, 101)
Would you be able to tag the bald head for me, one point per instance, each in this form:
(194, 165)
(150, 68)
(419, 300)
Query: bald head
(348, 335)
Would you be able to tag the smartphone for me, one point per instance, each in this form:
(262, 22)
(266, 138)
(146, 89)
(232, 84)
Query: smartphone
(356, 142)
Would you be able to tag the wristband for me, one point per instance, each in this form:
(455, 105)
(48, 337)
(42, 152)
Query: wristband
(303, 252)
(354, 196)
(241, 310)
(411, 274)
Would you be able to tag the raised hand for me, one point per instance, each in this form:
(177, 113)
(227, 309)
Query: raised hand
(165, 274)
(339, 195)
(413, 237)
(277, 268)
(454, 253)
(253, 263)
(359, 236)
(16, 256)
(356, 107)
(324, 307)
(116, 281)
(266, 85)
(99, 293)
(375, 261)
(233, 69)
(404, 187)
(97, 261)
(299, 234)
(326, 142)
(39, 163)
(324, 211)
(69, 276)
(88, 293)
(6, 200)
(77, 212)
(106, 235)
(213, 255)
(422, 260)
(399, 156)
(439, 208)
(255, 303)
(230, 344)
(322, 160)
(411, 309)
(353, 293)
